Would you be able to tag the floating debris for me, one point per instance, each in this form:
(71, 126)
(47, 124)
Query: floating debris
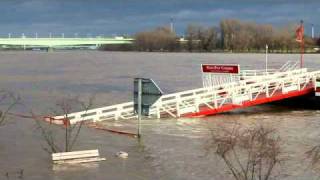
(122, 154)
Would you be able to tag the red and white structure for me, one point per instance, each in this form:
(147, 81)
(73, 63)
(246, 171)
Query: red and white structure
(231, 89)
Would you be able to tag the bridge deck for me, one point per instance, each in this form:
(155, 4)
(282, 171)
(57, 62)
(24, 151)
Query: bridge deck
(53, 42)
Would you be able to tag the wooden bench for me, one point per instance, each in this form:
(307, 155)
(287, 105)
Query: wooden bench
(76, 157)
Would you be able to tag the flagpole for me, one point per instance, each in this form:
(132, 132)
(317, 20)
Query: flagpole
(302, 52)
(301, 44)
(267, 58)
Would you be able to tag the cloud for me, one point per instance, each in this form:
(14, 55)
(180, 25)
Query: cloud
(129, 16)
(38, 6)
(191, 14)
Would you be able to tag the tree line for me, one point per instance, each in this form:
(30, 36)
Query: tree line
(231, 35)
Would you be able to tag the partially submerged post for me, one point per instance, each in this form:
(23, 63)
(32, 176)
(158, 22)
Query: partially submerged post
(139, 106)
(146, 93)
(267, 48)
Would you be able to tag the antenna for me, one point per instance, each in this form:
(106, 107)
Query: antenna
(171, 25)
(312, 31)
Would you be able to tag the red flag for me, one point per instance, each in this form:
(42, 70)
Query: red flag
(300, 33)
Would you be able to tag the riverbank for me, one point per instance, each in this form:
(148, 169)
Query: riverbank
(133, 48)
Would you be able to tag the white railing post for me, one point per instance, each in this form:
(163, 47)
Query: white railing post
(233, 97)
(158, 112)
(118, 113)
(215, 100)
(94, 119)
(178, 105)
(196, 103)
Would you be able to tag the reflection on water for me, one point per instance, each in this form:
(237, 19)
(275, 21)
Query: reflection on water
(171, 148)
(74, 167)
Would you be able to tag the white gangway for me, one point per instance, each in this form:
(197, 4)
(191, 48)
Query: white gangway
(253, 87)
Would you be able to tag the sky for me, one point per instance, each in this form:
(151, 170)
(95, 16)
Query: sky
(118, 17)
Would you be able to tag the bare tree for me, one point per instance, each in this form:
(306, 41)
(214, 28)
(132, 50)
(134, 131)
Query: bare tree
(201, 38)
(191, 35)
(246, 36)
(249, 153)
(207, 38)
(318, 42)
(159, 39)
(314, 155)
(8, 101)
(229, 30)
(233, 35)
(55, 141)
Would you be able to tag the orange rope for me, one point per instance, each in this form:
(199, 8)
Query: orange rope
(66, 122)
(95, 126)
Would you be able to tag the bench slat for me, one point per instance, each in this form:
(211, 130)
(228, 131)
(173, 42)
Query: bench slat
(76, 161)
(65, 157)
(75, 152)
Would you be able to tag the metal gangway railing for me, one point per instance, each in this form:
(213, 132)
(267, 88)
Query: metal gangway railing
(290, 65)
(191, 101)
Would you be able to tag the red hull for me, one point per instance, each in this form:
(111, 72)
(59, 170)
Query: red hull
(262, 99)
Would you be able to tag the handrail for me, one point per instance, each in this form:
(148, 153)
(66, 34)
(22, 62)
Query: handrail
(283, 67)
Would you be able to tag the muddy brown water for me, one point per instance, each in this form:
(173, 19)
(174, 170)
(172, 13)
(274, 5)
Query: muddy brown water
(170, 148)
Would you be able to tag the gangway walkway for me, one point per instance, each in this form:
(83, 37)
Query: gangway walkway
(253, 88)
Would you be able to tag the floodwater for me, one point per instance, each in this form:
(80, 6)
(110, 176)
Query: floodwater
(171, 149)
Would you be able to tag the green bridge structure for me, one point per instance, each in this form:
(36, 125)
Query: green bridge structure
(51, 43)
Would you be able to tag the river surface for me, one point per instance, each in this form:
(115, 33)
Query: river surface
(171, 149)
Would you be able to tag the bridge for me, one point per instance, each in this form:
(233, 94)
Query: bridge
(62, 42)
(253, 87)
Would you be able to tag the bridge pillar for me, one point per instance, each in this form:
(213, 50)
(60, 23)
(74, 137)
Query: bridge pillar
(49, 49)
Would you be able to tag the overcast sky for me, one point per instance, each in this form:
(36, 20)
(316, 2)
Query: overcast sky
(115, 17)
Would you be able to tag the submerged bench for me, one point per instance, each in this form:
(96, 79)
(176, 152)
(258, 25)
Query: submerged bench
(76, 157)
